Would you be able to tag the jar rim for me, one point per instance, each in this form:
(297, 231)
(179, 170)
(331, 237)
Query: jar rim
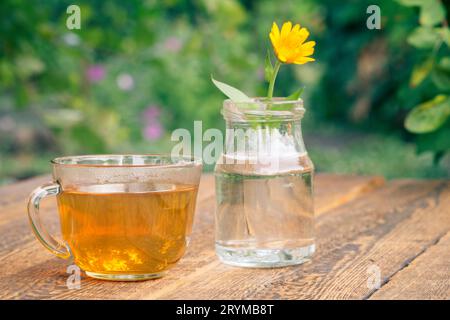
(257, 110)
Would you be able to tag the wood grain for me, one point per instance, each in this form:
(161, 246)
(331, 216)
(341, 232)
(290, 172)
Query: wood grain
(334, 190)
(361, 222)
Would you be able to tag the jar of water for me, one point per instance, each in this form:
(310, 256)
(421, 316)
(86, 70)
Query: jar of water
(264, 186)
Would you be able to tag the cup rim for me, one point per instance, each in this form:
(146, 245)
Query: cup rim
(183, 161)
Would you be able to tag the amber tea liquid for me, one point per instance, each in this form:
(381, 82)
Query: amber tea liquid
(140, 228)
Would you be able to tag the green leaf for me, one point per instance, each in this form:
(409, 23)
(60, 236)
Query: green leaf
(296, 95)
(420, 72)
(441, 74)
(268, 67)
(423, 38)
(435, 141)
(63, 118)
(28, 65)
(429, 115)
(445, 34)
(432, 12)
(231, 92)
(444, 64)
(441, 78)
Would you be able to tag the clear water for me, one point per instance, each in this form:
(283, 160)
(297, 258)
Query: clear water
(264, 220)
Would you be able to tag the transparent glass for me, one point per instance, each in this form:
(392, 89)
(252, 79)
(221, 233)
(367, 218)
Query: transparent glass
(264, 186)
(123, 217)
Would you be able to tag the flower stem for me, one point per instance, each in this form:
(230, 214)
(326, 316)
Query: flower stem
(272, 81)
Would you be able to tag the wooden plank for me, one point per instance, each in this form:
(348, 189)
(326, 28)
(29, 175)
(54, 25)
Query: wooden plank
(27, 271)
(20, 190)
(329, 195)
(384, 229)
(426, 277)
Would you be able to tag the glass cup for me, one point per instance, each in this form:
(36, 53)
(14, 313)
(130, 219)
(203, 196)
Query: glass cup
(123, 217)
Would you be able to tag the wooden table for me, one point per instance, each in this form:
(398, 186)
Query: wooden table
(366, 226)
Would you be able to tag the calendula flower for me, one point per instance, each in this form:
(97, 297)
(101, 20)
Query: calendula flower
(290, 47)
(289, 44)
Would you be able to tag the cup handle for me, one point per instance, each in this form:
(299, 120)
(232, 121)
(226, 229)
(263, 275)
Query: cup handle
(55, 246)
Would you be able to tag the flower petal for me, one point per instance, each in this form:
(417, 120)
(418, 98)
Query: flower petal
(281, 57)
(303, 60)
(303, 34)
(309, 44)
(306, 52)
(274, 39)
(286, 29)
(307, 48)
(275, 30)
(295, 28)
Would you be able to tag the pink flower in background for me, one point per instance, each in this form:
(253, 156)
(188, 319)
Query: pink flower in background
(153, 131)
(95, 73)
(173, 44)
(151, 113)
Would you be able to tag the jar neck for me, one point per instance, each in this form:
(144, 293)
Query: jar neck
(262, 110)
(264, 137)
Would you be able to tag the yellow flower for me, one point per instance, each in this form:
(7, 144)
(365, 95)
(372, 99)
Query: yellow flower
(289, 44)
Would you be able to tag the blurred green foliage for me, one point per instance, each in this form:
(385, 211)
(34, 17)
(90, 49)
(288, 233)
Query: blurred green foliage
(431, 117)
(138, 69)
(379, 77)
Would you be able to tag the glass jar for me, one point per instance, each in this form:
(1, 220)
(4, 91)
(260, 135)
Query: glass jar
(264, 186)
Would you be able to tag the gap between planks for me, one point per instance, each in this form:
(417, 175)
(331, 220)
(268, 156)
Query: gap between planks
(409, 268)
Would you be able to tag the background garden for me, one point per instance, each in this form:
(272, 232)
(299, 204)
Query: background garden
(136, 70)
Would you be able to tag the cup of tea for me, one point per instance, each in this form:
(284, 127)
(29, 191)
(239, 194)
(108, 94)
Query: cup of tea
(123, 217)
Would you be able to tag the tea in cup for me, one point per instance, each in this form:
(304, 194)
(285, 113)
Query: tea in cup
(123, 217)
